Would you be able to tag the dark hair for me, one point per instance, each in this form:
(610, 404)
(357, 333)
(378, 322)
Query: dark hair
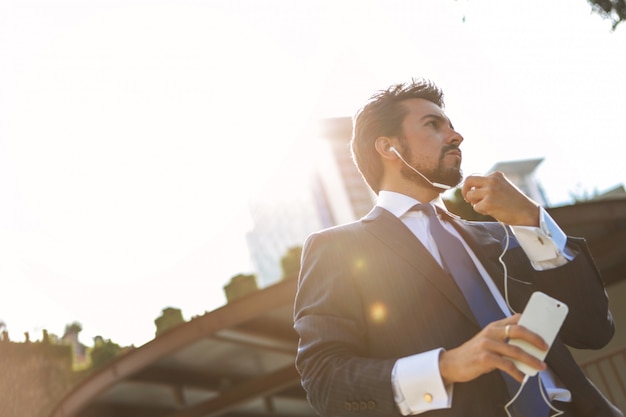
(383, 116)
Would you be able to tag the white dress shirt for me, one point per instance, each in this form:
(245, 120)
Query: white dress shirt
(416, 379)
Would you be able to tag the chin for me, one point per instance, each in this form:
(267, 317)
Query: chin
(453, 177)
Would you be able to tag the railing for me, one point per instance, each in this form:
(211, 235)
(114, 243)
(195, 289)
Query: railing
(608, 373)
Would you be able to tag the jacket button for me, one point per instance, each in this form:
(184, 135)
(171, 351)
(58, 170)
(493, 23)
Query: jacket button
(347, 406)
(355, 406)
(362, 405)
(371, 405)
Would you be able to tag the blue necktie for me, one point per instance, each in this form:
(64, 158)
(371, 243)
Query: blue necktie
(458, 263)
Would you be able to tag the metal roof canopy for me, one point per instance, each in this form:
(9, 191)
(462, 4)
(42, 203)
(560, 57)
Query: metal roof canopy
(518, 167)
(603, 224)
(237, 360)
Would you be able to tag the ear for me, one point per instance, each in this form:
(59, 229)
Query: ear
(383, 146)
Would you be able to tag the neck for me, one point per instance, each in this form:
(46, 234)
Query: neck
(423, 194)
(422, 191)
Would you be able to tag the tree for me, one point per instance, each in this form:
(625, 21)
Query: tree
(73, 328)
(581, 195)
(103, 351)
(169, 318)
(610, 9)
(240, 285)
(290, 262)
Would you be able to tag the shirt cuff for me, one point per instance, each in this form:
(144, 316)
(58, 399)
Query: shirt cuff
(545, 245)
(417, 384)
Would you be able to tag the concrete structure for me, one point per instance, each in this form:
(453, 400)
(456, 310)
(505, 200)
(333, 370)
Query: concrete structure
(34, 376)
(350, 197)
(279, 224)
(334, 193)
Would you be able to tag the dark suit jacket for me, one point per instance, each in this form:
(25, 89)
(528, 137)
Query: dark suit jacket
(370, 293)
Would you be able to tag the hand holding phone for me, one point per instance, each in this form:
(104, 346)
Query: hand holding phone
(544, 316)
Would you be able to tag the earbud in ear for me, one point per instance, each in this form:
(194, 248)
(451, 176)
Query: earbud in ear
(393, 149)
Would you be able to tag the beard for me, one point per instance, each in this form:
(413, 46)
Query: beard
(450, 176)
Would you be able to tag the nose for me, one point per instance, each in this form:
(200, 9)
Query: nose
(455, 137)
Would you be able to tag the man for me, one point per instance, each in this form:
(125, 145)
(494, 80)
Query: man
(385, 329)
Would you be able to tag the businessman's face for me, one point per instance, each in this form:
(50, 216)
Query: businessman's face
(430, 143)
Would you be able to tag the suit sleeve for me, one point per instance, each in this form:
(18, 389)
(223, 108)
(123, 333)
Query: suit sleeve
(578, 283)
(332, 357)
(566, 271)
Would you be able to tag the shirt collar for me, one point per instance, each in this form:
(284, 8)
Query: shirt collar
(398, 204)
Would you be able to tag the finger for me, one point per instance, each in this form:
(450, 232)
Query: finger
(507, 365)
(475, 196)
(471, 182)
(507, 331)
(497, 329)
(499, 355)
(521, 332)
(508, 328)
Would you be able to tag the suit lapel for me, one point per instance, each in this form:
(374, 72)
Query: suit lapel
(491, 238)
(489, 247)
(387, 228)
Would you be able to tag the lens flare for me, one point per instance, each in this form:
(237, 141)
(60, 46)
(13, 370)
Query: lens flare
(378, 312)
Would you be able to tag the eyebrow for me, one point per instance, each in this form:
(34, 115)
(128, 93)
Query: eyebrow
(438, 117)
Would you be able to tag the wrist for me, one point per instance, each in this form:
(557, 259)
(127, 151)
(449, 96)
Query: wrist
(445, 368)
(533, 217)
(529, 215)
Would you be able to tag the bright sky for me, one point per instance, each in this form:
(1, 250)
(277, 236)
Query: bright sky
(133, 132)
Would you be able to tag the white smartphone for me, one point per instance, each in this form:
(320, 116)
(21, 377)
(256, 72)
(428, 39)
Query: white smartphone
(543, 315)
